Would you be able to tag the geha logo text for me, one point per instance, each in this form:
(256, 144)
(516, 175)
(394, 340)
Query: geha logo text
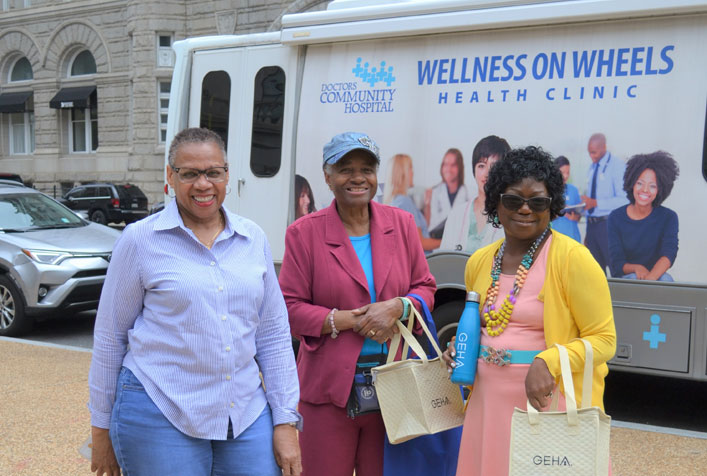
(440, 402)
(547, 460)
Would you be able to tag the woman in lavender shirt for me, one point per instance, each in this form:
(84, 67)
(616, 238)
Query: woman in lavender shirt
(190, 317)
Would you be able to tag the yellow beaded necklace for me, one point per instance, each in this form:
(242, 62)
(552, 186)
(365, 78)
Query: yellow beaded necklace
(499, 319)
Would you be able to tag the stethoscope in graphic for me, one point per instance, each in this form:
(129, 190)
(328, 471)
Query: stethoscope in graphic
(603, 169)
(459, 246)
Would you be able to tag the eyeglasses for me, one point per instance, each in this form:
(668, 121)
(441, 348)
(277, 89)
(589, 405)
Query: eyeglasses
(213, 174)
(515, 202)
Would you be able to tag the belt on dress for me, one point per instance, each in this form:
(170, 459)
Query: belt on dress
(597, 219)
(503, 357)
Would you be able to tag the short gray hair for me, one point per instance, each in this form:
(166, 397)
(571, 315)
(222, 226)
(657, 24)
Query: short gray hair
(194, 135)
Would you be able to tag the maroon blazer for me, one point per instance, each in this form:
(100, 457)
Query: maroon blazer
(321, 271)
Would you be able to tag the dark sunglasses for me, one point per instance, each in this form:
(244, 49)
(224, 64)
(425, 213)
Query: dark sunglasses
(515, 202)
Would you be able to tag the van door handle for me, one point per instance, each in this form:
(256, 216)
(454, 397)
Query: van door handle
(241, 182)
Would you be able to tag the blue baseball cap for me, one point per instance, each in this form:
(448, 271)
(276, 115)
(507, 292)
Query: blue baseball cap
(342, 144)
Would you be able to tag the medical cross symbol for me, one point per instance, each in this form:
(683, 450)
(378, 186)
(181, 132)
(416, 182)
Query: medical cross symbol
(654, 337)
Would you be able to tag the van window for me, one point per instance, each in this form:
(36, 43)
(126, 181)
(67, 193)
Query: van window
(215, 103)
(268, 108)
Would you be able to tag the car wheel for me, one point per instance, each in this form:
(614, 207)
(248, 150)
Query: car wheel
(446, 319)
(98, 216)
(13, 321)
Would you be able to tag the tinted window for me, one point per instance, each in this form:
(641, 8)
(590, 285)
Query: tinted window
(215, 103)
(34, 210)
(268, 108)
(129, 191)
(104, 192)
(77, 193)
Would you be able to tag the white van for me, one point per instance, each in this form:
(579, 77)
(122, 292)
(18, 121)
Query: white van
(425, 77)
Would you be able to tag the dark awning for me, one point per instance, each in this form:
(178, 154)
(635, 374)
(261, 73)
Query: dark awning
(72, 97)
(14, 102)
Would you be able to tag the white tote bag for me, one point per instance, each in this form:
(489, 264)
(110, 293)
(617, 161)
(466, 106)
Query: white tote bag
(416, 396)
(572, 443)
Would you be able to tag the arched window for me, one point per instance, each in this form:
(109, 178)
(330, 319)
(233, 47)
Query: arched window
(19, 109)
(83, 64)
(21, 70)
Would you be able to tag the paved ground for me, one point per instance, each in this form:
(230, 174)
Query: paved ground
(44, 420)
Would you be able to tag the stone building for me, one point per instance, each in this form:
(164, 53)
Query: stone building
(84, 84)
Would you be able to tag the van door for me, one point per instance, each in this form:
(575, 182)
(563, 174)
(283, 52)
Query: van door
(245, 96)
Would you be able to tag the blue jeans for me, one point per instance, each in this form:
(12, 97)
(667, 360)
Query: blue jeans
(666, 278)
(146, 443)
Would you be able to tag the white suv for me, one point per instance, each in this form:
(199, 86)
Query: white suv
(51, 260)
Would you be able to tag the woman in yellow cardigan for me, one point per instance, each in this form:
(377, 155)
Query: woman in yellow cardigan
(538, 288)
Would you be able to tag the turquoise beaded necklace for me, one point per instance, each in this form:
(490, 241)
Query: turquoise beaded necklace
(499, 319)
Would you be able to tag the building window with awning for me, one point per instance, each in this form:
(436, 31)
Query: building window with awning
(22, 133)
(82, 106)
(18, 109)
(83, 133)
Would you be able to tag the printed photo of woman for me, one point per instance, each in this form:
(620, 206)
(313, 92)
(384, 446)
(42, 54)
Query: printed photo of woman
(467, 227)
(440, 198)
(643, 235)
(304, 198)
(400, 180)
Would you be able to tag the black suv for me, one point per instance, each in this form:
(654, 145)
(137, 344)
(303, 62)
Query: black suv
(108, 203)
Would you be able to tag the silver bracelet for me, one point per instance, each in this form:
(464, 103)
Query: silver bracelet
(330, 316)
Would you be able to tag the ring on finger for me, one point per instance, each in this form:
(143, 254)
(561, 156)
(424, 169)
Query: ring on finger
(372, 333)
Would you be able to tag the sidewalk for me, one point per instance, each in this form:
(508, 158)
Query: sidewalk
(44, 420)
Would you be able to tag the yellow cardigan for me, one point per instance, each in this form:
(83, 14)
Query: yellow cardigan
(577, 304)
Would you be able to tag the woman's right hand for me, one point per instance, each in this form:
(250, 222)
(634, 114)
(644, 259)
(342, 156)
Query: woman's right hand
(103, 459)
(449, 354)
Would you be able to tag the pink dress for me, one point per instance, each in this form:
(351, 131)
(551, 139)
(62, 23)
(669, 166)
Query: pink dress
(497, 390)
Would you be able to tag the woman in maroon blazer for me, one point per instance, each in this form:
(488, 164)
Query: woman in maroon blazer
(344, 269)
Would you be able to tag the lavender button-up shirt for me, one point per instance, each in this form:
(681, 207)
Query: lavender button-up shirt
(195, 326)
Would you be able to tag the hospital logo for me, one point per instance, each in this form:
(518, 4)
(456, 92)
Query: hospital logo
(369, 91)
(377, 75)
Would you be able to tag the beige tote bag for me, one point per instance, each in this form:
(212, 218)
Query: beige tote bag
(415, 395)
(572, 443)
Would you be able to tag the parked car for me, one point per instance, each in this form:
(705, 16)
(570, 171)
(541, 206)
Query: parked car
(51, 260)
(108, 203)
(10, 182)
(11, 176)
(156, 208)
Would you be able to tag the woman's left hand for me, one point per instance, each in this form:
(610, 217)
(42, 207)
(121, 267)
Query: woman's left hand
(286, 449)
(539, 384)
(377, 320)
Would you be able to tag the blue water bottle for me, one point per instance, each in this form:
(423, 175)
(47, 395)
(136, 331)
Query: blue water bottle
(467, 343)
